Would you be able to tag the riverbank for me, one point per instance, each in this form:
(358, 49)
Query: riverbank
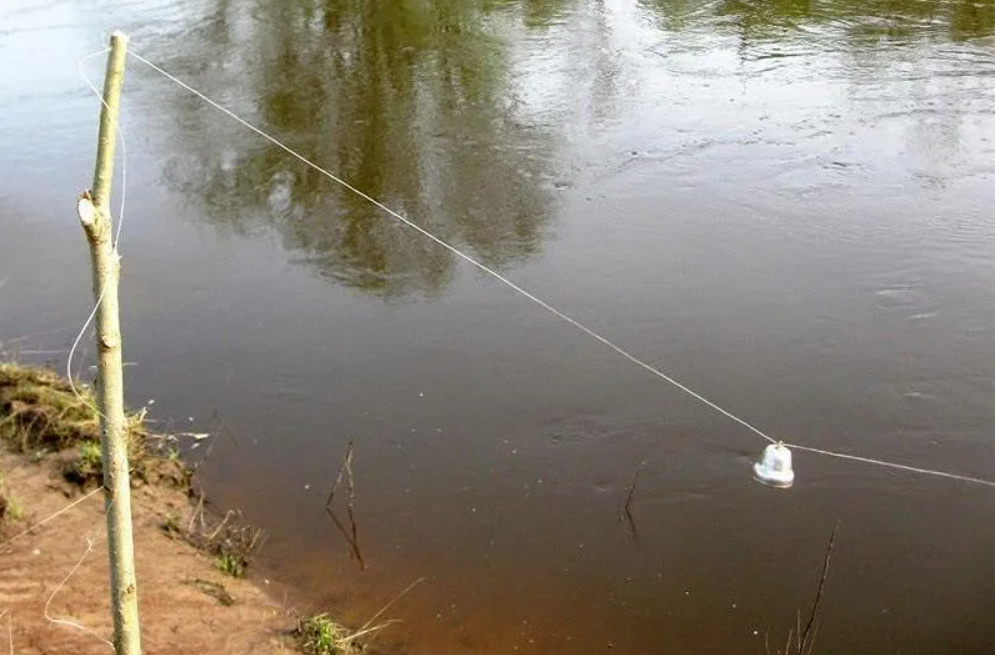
(54, 580)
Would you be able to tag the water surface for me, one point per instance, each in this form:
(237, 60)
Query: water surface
(785, 205)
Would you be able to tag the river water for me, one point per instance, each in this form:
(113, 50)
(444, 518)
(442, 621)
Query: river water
(785, 205)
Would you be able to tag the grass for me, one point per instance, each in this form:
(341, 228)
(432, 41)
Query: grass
(87, 466)
(40, 412)
(319, 635)
(231, 564)
(14, 510)
(228, 540)
(10, 508)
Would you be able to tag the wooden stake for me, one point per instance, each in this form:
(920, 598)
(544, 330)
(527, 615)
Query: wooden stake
(93, 208)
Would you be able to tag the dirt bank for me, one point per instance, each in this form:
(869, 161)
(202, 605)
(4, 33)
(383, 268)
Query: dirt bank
(54, 590)
(187, 605)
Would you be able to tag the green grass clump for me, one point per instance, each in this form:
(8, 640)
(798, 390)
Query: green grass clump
(10, 508)
(89, 455)
(87, 466)
(319, 635)
(231, 564)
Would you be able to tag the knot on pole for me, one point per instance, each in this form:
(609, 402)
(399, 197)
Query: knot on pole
(85, 209)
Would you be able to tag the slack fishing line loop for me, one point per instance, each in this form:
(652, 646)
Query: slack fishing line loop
(118, 134)
(773, 444)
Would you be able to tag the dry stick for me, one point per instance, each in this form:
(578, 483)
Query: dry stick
(352, 539)
(350, 482)
(627, 519)
(625, 515)
(632, 489)
(207, 453)
(355, 535)
(223, 428)
(811, 646)
(221, 525)
(198, 509)
(387, 606)
(818, 594)
(346, 465)
(94, 215)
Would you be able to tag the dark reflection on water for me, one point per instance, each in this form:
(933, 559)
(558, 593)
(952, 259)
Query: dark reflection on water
(408, 102)
(894, 20)
(787, 205)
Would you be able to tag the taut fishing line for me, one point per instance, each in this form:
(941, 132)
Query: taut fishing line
(528, 295)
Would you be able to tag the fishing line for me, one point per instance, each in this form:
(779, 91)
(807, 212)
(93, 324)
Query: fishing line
(67, 622)
(538, 301)
(456, 251)
(894, 465)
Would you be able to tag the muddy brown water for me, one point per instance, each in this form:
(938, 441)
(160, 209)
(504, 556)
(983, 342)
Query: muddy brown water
(786, 205)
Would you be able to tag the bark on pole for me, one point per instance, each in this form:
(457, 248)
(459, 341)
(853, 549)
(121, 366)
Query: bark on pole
(93, 209)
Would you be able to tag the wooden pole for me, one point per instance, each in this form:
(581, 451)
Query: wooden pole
(93, 209)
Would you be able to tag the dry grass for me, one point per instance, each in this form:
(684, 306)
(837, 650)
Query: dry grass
(40, 414)
(230, 541)
(42, 417)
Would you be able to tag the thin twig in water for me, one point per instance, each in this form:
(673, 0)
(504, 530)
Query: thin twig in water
(626, 518)
(387, 606)
(353, 539)
(804, 640)
(377, 628)
(625, 514)
(207, 453)
(632, 488)
(351, 536)
(346, 466)
(224, 429)
(349, 481)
